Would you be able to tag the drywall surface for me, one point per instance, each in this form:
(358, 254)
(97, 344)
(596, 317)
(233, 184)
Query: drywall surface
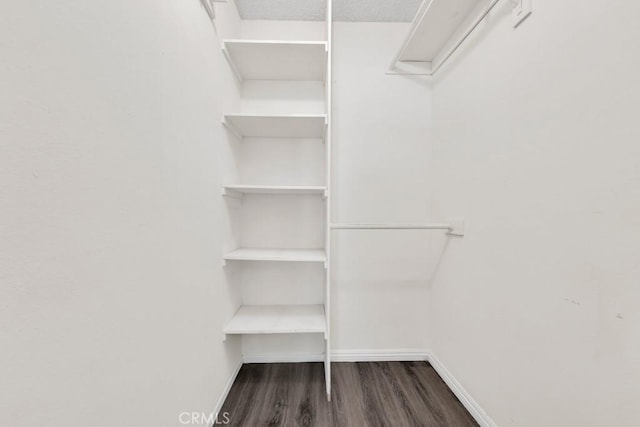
(112, 298)
(536, 311)
(381, 127)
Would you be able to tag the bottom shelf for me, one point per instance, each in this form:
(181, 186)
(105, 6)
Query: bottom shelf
(277, 319)
(261, 254)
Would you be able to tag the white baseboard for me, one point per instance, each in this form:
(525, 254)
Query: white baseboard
(463, 396)
(395, 355)
(282, 358)
(227, 387)
(391, 355)
(402, 355)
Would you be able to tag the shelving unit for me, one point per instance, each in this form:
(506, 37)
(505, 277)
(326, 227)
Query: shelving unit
(276, 60)
(289, 255)
(298, 63)
(277, 319)
(277, 126)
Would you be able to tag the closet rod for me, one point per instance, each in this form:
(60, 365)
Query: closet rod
(392, 226)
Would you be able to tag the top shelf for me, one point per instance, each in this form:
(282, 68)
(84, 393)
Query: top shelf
(276, 60)
(437, 29)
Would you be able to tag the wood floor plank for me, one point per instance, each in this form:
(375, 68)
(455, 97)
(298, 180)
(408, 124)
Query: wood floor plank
(400, 392)
(380, 401)
(298, 383)
(347, 396)
(417, 403)
(449, 407)
(274, 403)
(372, 394)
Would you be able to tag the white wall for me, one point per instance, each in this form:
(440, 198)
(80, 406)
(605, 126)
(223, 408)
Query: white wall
(112, 299)
(536, 310)
(380, 278)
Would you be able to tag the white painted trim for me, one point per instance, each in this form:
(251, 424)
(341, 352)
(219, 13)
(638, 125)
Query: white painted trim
(282, 358)
(392, 355)
(227, 387)
(461, 393)
(402, 355)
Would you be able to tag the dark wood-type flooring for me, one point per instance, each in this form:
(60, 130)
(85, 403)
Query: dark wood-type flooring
(385, 394)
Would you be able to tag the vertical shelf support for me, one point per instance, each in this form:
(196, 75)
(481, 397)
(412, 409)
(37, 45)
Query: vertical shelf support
(327, 242)
(326, 126)
(326, 52)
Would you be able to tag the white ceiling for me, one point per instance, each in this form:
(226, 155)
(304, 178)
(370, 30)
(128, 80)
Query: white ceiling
(343, 10)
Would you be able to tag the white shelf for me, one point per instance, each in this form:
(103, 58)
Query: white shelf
(261, 254)
(436, 31)
(277, 126)
(239, 190)
(277, 319)
(277, 60)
